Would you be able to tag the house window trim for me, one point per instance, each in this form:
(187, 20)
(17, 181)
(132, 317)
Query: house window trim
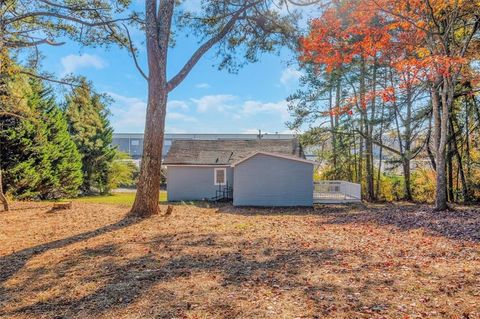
(224, 169)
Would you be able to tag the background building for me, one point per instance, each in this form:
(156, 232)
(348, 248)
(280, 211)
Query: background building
(132, 143)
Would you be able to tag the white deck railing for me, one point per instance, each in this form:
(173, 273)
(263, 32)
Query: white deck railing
(336, 191)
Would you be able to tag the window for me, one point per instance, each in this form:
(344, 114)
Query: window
(220, 177)
(135, 142)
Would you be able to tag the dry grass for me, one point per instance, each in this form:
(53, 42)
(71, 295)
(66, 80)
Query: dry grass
(126, 198)
(337, 262)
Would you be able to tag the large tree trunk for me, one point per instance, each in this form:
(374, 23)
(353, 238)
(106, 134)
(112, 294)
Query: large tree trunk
(441, 181)
(3, 198)
(450, 188)
(461, 172)
(157, 35)
(356, 176)
(407, 180)
(380, 153)
(427, 144)
(368, 135)
(336, 138)
(146, 200)
(467, 139)
(407, 156)
(332, 130)
(440, 132)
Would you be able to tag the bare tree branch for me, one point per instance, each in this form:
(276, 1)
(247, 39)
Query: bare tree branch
(49, 79)
(178, 78)
(64, 17)
(72, 8)
(23, 44)
(134, 56)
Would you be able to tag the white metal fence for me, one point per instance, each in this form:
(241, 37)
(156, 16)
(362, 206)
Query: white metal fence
(336, 191)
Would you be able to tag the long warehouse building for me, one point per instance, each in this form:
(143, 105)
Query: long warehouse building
(132, 143)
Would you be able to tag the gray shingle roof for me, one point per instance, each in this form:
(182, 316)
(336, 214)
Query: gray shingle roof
(224, 152)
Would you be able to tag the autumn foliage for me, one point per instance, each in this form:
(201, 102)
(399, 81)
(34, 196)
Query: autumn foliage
(383, 52)
(399, 34)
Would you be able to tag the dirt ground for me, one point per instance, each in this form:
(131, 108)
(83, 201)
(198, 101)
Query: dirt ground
(376, 261)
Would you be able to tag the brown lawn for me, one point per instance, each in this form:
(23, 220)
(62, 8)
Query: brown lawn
(395, 261)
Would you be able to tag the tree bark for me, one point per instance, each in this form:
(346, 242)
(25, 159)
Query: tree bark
(427, 144)
(455, 149)
(441, 113)
(467, 137)
(336, 138)
(148, 188)
(407, 156)
(380, 153)
(368, 134)
(450, 190)
(332, 129)
(370, 126)
(146, 199)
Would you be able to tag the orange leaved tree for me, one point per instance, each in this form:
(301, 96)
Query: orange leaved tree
(437, 35)
(426, 41)
(352, 34)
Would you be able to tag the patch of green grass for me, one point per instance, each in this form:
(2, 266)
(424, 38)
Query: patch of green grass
(116, 198)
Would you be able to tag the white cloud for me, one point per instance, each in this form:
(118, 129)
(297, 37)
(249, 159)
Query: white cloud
(128, 113)
(290, 76)
(250, 108)
(180, 117)
(214, 102)
(177, 104)
(72, 62)
(203, 86)
(240, 110)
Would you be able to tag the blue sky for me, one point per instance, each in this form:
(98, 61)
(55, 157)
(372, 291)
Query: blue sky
(207, 101)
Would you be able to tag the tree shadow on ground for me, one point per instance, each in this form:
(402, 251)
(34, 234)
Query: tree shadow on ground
(228, 208)
(130, 280)
(11, 264)
(174, 265)
(239, 267)
(461, 224)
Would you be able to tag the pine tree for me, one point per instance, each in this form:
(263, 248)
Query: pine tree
(38, 155)
(62, 154)
(21, 154)
(87, 117)
(22, 157)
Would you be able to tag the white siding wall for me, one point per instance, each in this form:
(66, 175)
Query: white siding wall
(271, 181)
(192, 182)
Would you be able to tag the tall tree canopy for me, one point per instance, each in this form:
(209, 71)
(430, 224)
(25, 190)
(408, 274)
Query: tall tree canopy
(87, 116)
(25, 26)
(409, 56)
(37, 153)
